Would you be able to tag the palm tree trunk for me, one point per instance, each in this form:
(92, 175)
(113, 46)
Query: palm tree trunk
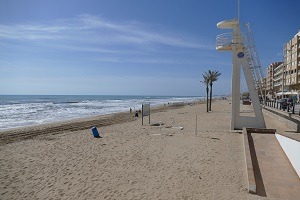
(210, 98)
(207, 98)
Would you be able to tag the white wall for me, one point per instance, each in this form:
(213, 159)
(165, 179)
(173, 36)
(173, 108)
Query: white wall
(292, 150)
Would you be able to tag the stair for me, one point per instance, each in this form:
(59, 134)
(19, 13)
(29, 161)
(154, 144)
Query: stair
(252, 56)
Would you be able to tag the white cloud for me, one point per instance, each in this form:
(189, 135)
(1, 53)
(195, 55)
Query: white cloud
(88, 28)
(104, 41)
(85, 48)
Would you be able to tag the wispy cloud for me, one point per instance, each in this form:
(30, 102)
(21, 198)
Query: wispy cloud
(5, 65)
(105, 41)
(93, 49)
(30, 32)
(138, 60)
(92, 29)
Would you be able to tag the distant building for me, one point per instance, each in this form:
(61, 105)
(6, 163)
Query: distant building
(263, 86)
(283, 78)
(271, 92)
(292, 64)
(277, 79)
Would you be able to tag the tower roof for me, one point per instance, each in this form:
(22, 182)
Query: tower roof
(228, 24)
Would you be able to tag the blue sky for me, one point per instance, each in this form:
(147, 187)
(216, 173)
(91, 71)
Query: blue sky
(130, 47)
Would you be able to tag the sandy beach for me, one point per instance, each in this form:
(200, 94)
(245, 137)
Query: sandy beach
(132, 161)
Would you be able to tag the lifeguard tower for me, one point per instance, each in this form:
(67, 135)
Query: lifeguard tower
(245, 56)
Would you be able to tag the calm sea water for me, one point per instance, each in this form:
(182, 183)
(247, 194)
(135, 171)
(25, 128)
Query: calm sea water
(26, 110)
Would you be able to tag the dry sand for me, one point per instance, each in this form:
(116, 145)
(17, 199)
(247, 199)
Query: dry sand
(132, 161)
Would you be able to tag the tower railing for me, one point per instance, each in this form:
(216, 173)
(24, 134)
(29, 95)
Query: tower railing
(253, 59)
(225, 40)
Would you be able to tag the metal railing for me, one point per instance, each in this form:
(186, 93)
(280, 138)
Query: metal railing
(226, 40)
(290, 107)
(253, 58)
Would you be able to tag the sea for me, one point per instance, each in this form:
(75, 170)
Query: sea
(27, 110)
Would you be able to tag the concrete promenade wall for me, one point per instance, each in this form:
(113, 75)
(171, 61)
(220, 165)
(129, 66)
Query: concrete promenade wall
(291, 148)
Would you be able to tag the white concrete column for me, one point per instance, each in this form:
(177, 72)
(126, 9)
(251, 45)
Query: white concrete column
(235, 85)
(253, 94)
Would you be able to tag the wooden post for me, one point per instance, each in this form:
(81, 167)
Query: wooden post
(142, 114)
(196, 126)
(145, 112)
(149, 113)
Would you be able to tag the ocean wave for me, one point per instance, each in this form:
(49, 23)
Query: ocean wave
(24, 112)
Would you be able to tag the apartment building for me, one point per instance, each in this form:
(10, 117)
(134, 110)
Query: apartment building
(291, 76)
(270, 82)
(277, 79)
(283, 78)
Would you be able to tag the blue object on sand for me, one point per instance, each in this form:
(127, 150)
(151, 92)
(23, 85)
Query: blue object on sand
(95, 132)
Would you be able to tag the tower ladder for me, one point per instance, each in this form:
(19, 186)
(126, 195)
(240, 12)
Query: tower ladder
(253, 59)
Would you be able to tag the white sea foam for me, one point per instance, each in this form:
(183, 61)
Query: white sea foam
(18, 112)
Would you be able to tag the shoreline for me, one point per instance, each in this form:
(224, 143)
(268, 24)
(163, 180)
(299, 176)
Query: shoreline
(57, 127)
(38, 110)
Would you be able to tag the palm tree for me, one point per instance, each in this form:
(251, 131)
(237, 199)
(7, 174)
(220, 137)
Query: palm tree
(206, 82)
(213, 76)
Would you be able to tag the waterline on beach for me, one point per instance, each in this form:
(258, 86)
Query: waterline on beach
(25, 110)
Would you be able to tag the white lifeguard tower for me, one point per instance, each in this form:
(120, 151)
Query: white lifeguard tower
(244, 55)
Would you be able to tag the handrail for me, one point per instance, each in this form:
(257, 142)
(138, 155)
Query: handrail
(253, 58)
(225, 40)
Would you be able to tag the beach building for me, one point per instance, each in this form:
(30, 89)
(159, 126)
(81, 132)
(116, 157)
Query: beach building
(277, 79)
(291, 70)
(270, 79)
(283, 78)
(263, 92)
